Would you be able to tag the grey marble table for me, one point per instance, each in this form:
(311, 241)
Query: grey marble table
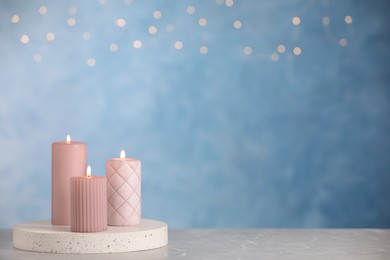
(243, 244)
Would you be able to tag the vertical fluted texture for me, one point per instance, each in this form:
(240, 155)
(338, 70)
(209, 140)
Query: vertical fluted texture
(88, 204)
(123, 191)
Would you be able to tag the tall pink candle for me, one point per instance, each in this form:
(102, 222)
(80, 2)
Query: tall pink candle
(69, 159)
(123, 191)
(88, 203)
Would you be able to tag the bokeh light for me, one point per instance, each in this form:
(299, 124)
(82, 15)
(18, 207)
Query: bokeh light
(296, 20)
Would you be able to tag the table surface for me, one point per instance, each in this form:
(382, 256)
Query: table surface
(237, 244)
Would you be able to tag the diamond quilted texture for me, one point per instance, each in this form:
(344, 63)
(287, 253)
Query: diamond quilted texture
(110, 191)
(115, 164)
(115, 180)
(124, 189)
(125, 172)
(134, 181)
(134, 200)
(110, 210)
(116, 201)
(126, 210)
(136, 167)
(138, 190)
(116, 218)
(134, 219)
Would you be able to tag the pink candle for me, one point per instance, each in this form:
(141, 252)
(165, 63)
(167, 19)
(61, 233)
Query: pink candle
(123, 191)
(88, 203)
(69, 159)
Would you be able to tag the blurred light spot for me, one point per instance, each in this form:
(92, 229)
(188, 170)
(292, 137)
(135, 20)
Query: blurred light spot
(157, 14)
(178, 45)
(120, 22)
(274, 57)
(170, 28)
(202, 22)
(42, 10)
(50, 36)
(24, 39)
(72, 10)
(86, 36)
(297, 51)
(325, 20)
(137, 44)
(348, 19)
(15, 18)
(343, 42)
(127, 2)
(91, 62)
(37, 57)
(219, 2)
(204, 49)
(296, 21)
(71, 22)
(237, 24)
(103, 2)
(229, 3)
(113, 47)
(190, 9)
(152, 29)
(248, 50)
(281, 48)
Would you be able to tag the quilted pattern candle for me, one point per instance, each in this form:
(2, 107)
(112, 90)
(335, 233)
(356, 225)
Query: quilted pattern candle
(88, 203)
(69, 159)
(123, 191)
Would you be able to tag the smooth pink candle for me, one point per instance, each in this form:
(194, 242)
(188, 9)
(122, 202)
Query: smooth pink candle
(123, 191)
(88, 204)
(69, 159)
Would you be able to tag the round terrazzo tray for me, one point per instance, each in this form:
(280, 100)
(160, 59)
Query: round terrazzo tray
(42, 236)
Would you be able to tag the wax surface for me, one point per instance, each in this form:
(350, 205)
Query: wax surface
(68, 160)
(88, 204)
(123, 191)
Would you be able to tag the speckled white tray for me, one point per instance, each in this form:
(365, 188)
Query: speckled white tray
(41, 236)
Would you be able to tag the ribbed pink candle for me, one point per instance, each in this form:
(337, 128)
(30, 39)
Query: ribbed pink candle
(69, 159)
(123, 191)
(88, 204)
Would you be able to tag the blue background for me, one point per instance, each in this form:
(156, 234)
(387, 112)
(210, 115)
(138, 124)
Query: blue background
(245, 135)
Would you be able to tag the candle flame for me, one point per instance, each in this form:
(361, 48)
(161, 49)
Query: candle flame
(123, 154)
(89, 171)
(68, 140)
